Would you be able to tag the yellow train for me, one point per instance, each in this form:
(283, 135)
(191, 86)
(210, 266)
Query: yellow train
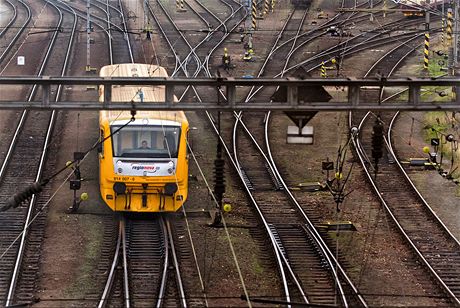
(144, 166)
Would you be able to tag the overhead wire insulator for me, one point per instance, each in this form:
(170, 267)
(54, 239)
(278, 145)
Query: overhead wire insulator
(377, 141)
(27, 193)
(219, 184)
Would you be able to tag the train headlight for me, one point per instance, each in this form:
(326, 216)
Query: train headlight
(119, 169)
(171, 167)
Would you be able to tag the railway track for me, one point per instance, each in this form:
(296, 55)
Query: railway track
(145, 271)
(193, 54)
(408, 210)
(14, 28)
(21, 167)
(287, 235)
(29, 134)
(260, 167)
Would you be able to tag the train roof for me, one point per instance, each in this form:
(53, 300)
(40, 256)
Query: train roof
(133, 70)
(138, 94)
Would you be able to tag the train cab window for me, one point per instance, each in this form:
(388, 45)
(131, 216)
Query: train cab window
(151, 141)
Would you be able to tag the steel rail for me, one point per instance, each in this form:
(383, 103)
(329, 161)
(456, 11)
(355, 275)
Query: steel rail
(277, 174)
(279, 257)
(208, 36)
(428, 207)
(126, 33)
(305, 216)
(164, 276)
(125, 266)
(16, 37)
(186, 61)
(348, 280)
(278, 251)
(205, 63)
(30, 98)
(244, 12)
(195, 56)
(82, 15)
(111, 25)
(322, 244)
(276, 246)
(76, 11)
(13, 18)
(389, 146)
(325, 250)
(400, 228)
(109, 34)
(184, 304)
(111, 276)
(45, 147)
(200, 98)
(171, 46)
(175, 263)
(364, 158)
(343, 46)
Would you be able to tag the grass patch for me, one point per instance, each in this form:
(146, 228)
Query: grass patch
(439, 125)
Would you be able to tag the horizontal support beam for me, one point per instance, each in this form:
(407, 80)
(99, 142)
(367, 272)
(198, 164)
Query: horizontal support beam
(319, 106)
(216, 82)
(355, 91)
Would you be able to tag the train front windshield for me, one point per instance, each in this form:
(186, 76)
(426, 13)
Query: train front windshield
(146, 141)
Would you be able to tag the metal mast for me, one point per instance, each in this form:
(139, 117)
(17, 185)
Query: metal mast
(88, 36)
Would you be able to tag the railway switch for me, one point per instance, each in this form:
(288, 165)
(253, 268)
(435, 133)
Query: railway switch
(354, 131)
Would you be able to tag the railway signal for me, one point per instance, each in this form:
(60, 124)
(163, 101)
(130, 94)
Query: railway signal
(327, 166)
(435, 142)
(226, 60)
(75, 183)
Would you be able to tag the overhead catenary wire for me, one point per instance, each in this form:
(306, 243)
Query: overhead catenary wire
(79, 162)
(223, 220)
